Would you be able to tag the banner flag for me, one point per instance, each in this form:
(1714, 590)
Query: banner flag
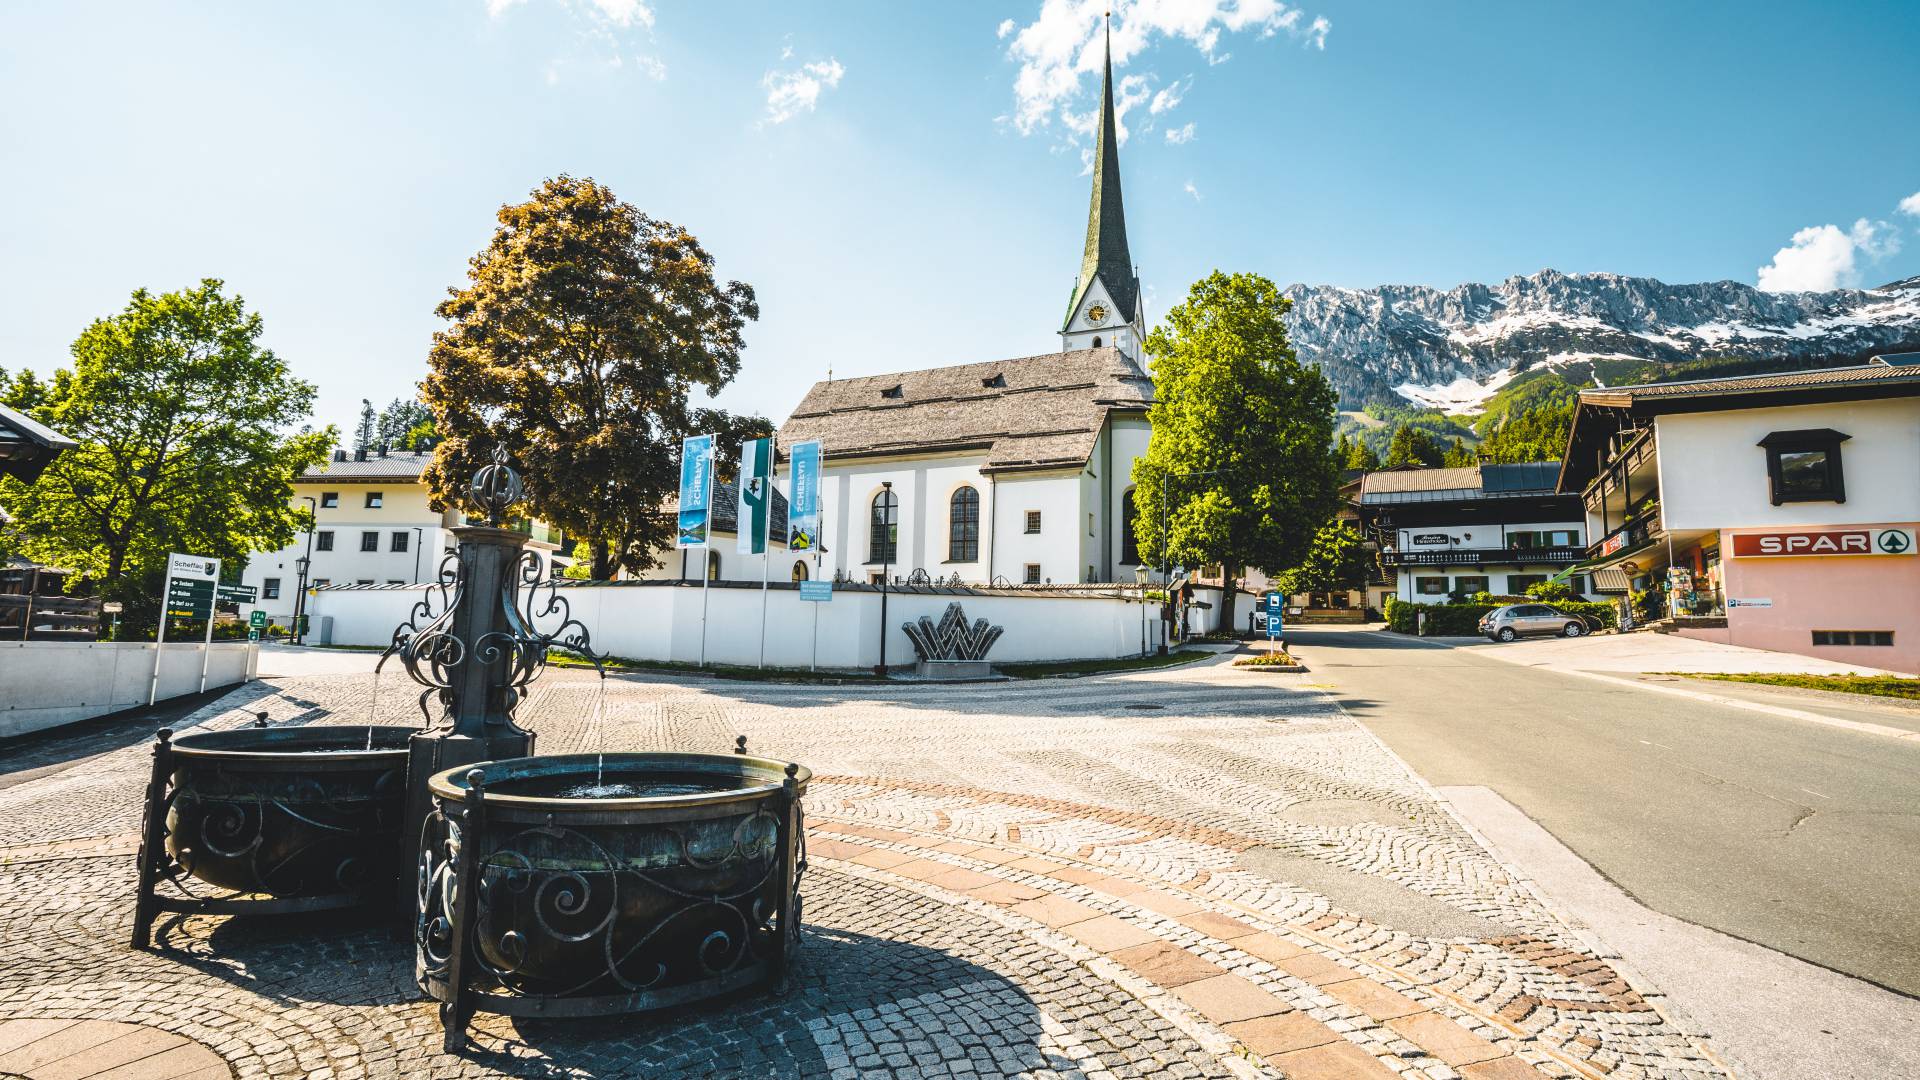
(755, 515)
(696, 489)
(803, 498)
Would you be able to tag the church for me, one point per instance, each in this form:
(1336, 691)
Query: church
(1007, 472)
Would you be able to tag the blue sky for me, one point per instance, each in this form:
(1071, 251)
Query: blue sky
(902, 182)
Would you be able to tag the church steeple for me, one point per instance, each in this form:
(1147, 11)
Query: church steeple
(1105, 259)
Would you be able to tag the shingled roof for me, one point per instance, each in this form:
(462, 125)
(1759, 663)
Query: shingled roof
(1033, 412)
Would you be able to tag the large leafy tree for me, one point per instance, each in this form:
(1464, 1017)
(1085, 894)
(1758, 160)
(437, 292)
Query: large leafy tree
(1414, 446)
(183, 421)
(1338, 559)
(575, 342)
(403, 423)
(1234, 403)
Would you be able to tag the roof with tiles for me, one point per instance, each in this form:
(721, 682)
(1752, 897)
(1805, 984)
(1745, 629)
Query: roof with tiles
(397, 465)
(1863, 375)
(1027, 413)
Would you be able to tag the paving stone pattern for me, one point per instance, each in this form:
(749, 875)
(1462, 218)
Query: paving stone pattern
(1010, 880)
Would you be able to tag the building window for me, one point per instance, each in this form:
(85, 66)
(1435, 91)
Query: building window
(1430, 586)
(1471, 583)
(1033, 521)
(883, 537)
(1096, 342)
(1089, 524)
(1530, 539)
(323, 540)
(713, 565)
(893, 392)
(963, 526)
(329, 500)
(1853, 637)
(994, 382)
(322, 582)
(800, 570)
(875, 577)
(374, 499)
(1804, 466)
(1518, 584)
(1033, 573)
(399, 542)
(1129, 544)
(270, 589)
(364, 581)
(395, 581)
(369, 541)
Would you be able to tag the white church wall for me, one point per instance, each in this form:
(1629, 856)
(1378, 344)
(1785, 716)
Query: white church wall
(924, 487)
(1056, 547)
(1115, 331)
(1129, 435)
(662, 622)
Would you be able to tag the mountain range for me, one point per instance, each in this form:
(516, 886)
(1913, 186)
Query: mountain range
(1453, 348)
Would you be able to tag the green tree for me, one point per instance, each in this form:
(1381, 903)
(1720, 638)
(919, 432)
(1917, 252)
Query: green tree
(403, 423)
(1459, 455)
(1413, 446)
(731, 431)
(1338, 559)
(1232, 401)
(1361, 456)
(574, 343)
(366, 433)
(182, 420)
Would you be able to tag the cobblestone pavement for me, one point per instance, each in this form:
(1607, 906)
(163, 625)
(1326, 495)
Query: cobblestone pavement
(1199, 872)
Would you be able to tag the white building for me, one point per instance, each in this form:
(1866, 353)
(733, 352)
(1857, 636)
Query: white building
(1015, 471)
(373, 525)
(1484, 528)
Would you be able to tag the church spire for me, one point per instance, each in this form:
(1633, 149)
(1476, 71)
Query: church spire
(1106, 256)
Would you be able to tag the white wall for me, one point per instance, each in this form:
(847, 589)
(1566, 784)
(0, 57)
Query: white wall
(656, 621)
(1713, 475)
(1484, 535)
(47, 683)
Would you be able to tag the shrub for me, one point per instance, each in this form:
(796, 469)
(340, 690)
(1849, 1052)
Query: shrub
(1275, 658)
(1463, 620)
(1550, 591)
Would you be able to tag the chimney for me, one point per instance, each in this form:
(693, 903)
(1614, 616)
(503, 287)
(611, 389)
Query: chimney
(383, 449)
(339, 455)
(360, 454)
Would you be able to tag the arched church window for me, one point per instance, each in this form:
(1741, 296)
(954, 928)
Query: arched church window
(800, 570)
(963, 526)
(713, 565)
(1129, 544)
(883, 537)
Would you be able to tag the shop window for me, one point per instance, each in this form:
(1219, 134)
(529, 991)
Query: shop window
(270, 589)
(323, 540)
(1804, 466)
(1430, 586)
(963, 526)
(1853, 637)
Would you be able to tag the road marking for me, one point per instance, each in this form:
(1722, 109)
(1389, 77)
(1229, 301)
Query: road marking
(1810, 791)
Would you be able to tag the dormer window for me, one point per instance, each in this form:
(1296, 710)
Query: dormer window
(1804, 466)
(996, 381)
(894, 391)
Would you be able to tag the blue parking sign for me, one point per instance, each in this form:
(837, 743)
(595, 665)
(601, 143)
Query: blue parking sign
(1276, 608)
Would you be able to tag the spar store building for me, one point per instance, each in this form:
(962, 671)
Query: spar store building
(1774, 511)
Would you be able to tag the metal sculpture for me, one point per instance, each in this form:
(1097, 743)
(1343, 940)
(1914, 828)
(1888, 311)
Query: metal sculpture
(951, 639)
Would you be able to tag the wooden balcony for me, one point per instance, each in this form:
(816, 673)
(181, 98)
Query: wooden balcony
(1529, 556)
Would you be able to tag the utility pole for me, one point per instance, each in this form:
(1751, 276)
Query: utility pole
(303, 565)
(887, 540)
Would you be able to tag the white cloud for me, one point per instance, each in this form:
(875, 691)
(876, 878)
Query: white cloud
(1193, 191)
(1911, 204)
(1064, 41)
(1181, 134)
(1168, 98)
(790, 93)
(654, 68)
(1006, 27)
(625, 14)
(1823, 257)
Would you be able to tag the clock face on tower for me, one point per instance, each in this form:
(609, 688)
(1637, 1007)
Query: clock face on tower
(1097, 314)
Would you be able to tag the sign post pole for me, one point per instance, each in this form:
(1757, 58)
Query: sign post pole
(696, 501)
(188, 590)
(159, 640)
(206, 648)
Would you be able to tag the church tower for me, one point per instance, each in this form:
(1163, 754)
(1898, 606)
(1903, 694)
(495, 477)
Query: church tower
(1106, 310)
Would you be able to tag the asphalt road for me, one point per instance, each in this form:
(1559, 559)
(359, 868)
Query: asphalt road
(1795, 835)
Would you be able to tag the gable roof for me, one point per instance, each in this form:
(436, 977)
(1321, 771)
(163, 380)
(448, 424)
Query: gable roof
(1523, 479)
(1032, 412)
(399, 465)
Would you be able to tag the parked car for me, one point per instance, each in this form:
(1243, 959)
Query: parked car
(1513, 620)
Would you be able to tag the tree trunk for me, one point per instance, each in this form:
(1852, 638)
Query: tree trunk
(1226, 598)
(603, 565)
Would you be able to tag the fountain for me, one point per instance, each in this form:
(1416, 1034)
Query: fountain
(570, 885)
(574, 885)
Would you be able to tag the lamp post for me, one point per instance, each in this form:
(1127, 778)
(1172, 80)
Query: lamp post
(301, 565)
(886, 566)
(1141, 573)
(1166, 546)
(419, 537)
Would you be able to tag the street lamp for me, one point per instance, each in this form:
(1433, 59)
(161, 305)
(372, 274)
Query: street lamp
(886, 565)
(1141, 573)
(419, 538)
(1166, 545)
(301, 565)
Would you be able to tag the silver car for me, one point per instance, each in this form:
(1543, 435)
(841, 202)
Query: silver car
(1507, 623)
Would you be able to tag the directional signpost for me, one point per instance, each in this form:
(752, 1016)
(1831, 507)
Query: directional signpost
(187, 594)
(1275, 609)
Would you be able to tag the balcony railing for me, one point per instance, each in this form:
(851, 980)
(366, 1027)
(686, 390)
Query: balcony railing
(1531, 556)
(1632, 536)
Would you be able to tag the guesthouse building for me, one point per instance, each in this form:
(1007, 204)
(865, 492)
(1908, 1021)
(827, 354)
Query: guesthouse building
(1447, 533)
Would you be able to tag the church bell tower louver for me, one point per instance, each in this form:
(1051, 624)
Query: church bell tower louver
(1105, 309)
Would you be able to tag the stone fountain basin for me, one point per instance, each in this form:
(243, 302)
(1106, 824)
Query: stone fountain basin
(290, 812)
(670, 885)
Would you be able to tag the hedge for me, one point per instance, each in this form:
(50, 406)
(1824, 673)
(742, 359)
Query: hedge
(1463, 620)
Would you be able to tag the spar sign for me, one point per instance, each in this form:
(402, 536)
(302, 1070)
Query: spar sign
(1867, 541)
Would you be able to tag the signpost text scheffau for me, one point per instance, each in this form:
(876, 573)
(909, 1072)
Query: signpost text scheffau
(188, 593)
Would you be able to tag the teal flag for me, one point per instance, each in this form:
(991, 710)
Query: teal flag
(696, 489)
(803, 498)
(756, 495)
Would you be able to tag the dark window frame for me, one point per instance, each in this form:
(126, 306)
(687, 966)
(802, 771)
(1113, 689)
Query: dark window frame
(963, 525)
(883, 527)
(1033, 523)
(1808, 440)
(1030, 574)
(376, 500)
(323, 540)
(370, 540)
(270, 588)
(329, 500)
(399, 541)
(1420, 586)
(1129, 543)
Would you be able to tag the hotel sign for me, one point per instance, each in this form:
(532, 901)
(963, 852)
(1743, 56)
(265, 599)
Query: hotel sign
(1613, 543)
(1824, 542)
